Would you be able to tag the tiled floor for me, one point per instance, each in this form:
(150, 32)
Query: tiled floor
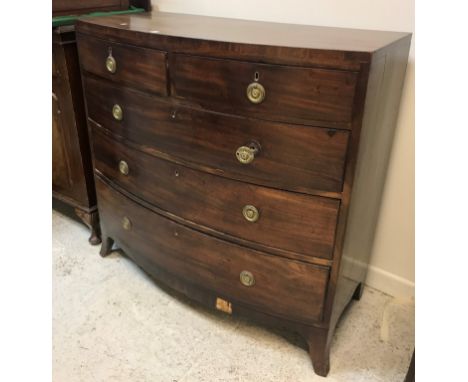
(113, 323)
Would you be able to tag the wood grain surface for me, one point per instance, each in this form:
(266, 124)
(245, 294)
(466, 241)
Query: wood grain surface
(138, 67)
(258, 33)
(293, 94)
(289, 221)
(291, 157)
(297, 292)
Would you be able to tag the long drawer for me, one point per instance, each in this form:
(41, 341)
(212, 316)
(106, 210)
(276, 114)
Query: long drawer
(291, 157)
(116, 62)
(274, 92)
(278, 219)
(232, 271)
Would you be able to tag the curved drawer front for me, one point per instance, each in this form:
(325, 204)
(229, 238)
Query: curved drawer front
(274, 92)
(278, 219)
(278, 286)
(292, 157)
(141, 68)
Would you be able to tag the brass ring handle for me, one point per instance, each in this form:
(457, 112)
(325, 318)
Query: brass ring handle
(250, 213)
(123, 167)
(111, 64)
(117, 112)
(247, 278)
(256, 92)
(246, 154)
(126, 223)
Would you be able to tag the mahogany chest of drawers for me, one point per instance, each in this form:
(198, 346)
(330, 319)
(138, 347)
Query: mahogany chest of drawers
(242, 163)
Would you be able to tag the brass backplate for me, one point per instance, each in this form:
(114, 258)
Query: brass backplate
(223, 305)
(117, 112)
(123, 167)
(256, 92)
(245, 155)
(250, 213)
(111, 64)
(247, 278)
(126, 223)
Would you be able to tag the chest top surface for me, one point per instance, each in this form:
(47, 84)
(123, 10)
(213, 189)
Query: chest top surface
(250, 32)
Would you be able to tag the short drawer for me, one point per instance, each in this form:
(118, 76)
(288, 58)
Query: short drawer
(272, 218)
(272, 284)
(274, 92)
(134, 66)
(291, 157)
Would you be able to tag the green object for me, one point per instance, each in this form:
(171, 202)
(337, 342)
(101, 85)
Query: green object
(71, 19)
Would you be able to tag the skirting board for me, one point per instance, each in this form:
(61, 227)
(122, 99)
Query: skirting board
(389, 283)
(385, 281)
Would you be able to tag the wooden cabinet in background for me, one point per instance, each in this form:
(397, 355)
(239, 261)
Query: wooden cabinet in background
(72, 172)
(79, 7)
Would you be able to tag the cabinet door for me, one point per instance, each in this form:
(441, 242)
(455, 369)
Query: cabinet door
(60, 165)
(68, 172)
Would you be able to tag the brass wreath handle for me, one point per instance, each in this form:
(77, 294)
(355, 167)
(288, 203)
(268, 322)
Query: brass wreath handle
(123, 167)
(250, 213)
(126, 223)
(256, 92)
(111, 64)
(117, 112)
(246, 154)
(247, 278)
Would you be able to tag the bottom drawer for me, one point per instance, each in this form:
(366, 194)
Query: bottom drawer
(282, 287)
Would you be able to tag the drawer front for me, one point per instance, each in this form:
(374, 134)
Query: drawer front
(280, 287)
(291, 157)
(141, 68)
(279, 219)
(290, 94)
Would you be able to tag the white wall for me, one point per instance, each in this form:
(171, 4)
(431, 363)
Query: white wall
(392, 264)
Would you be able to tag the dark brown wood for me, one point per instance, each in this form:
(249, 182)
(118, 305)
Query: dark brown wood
(91, 219)
(319, 349)
(411, 374)
(145, 4)
(148, 72)
(370, 152)
(78, 7)
(72, 175)
(107, 244)
(243, 39)
(61, 176)
(293, 157)
(292, 222)
(358, 292)
(325, 131)
(213, 263)
(68, 124)
(293, 94)
(213, 232)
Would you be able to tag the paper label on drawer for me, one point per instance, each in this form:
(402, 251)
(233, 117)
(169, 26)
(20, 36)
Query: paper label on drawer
(223, 305)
